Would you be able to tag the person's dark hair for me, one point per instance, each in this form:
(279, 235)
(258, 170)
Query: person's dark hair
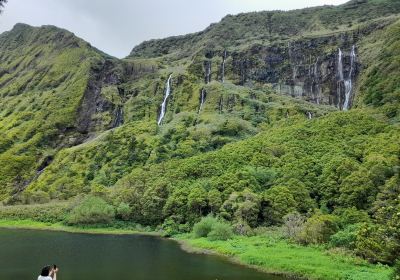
(45, 270)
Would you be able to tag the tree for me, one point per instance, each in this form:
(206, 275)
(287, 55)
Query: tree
(242, 206)
(197, 200)
(214, 200)
(92, 210)
(292, 225)
(279, 202)
(319, 228)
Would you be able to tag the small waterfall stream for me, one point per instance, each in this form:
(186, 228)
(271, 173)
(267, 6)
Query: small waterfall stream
(164, 104)
(202, 98)
(223, 68)
(348, 82)
(208, 72)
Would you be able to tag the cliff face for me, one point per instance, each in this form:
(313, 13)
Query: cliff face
(311, 53)
(321, 70)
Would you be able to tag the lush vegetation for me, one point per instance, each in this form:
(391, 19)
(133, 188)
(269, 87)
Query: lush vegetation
(276, 181)
(272, 253)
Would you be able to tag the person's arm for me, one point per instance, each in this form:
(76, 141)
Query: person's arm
(54, 273)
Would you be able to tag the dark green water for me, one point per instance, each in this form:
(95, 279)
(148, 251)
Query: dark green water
(110, 257)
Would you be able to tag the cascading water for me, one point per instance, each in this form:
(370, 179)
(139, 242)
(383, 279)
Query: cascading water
(223, 68)
(202, 98)
(207, 66)
(309, 115)
(164, 104)
(348, 84)
(209, 73)
(340, 77)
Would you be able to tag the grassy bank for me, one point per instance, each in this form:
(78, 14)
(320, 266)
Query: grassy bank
(272, 254)
(97, 229)
(267, 252)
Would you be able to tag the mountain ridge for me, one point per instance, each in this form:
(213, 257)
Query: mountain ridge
(255, 128)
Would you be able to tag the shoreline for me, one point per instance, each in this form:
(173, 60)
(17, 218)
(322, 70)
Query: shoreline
(185, 246)
(281, 259)
(58, 227)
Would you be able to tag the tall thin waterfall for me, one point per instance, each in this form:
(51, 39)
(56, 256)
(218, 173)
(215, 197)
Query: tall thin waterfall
(164, 104)
(223, 68)
(208, 72)
(348, 84)
(340, 65)
(202, 98)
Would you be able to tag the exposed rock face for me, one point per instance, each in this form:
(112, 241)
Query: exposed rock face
(93, 102)
(309, 68)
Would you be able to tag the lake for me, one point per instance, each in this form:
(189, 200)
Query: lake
(109, 257)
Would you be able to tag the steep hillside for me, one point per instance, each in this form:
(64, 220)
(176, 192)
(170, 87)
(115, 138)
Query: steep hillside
(259, 116)
(59, 92)
(44, 76)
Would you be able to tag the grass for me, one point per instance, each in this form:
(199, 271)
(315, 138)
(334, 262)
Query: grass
(95, 229)
(268, 253)
(275, 255)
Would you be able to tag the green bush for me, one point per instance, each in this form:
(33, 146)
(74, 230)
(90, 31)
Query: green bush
(220, 231)
(47, 213)
(350, 216)
(213, 229)
(204, 227)
(92, 210)
(346, 238)
(123, 211)
(397, 269)
(169, 228)
(318, 229)
(375, 245)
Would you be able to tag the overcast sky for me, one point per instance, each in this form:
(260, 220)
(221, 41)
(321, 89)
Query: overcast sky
(115, 27)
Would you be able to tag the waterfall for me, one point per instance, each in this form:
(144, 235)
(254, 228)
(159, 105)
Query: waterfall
(208, 72)
(348, 84)
(164, 104)
(202, 98)
(118, 121)
(223, 68)
(340, 65)
(309, 115)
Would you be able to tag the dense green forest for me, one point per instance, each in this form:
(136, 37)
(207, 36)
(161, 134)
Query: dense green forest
(233, 156)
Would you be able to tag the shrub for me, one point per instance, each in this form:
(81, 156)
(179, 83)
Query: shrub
(346, 238)
(39, 197)
(220, 231)
(204, 227)
(318, 229)
(91, 210)
(374, 245)
(293, 225)
(123, 211)
(243, 228)
(349, 216)
(169, 228)
(396, 271)
(47, 213)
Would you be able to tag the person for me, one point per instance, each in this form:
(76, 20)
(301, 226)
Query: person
(48, 273)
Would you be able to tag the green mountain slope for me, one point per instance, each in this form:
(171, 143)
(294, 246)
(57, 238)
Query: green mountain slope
(44, 75)
(254, 126)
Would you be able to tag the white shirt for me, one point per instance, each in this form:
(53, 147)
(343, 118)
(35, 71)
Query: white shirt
(45, 278)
